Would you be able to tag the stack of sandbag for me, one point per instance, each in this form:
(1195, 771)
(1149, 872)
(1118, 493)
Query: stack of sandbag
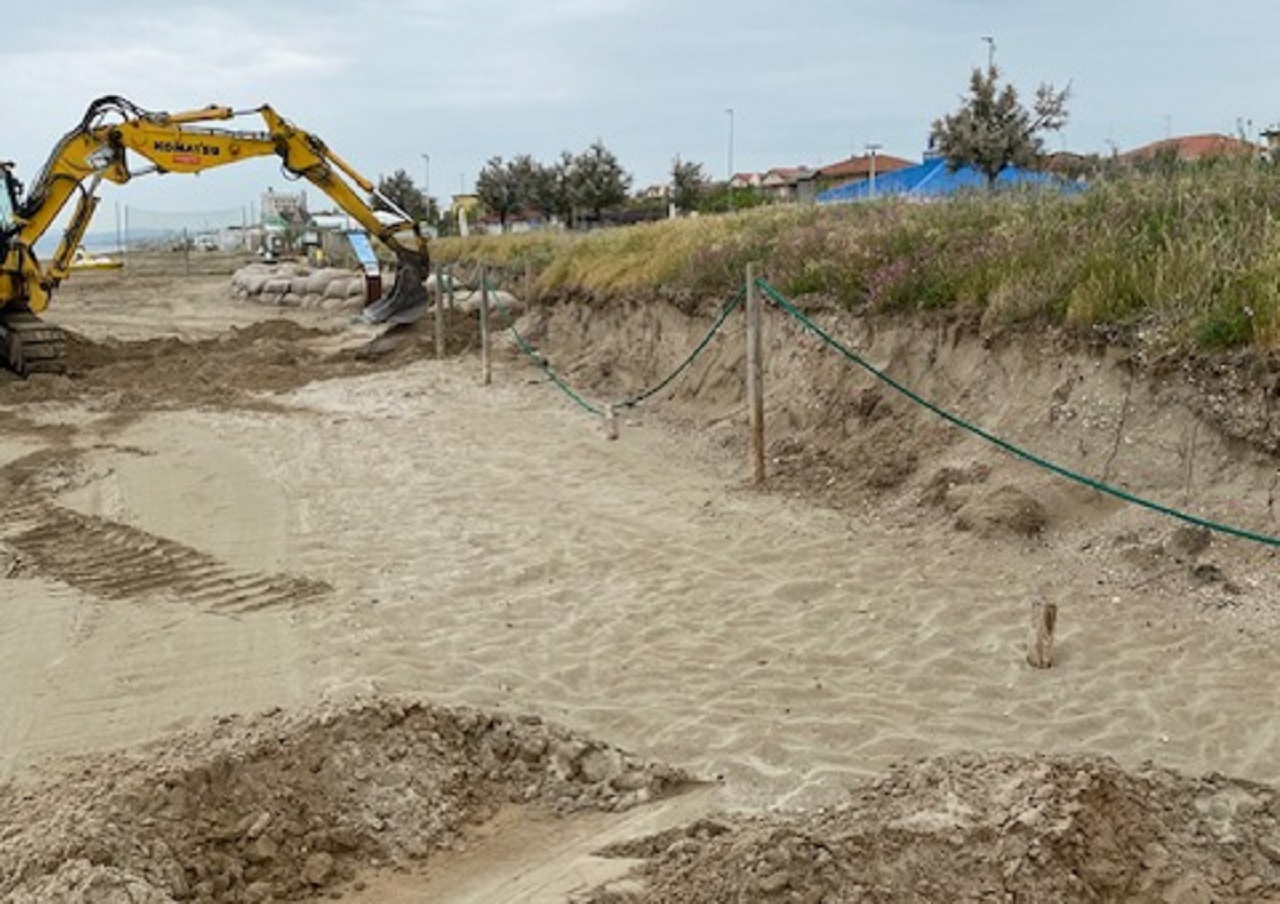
(299, 286)
(467, 297)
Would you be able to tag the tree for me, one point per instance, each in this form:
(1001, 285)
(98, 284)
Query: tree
(398, 188)
(992, 130)
(688, 184)
(498, 187)
(524, 173)
(548, 189)
(720, 198)
(560, 186)
(597, 181)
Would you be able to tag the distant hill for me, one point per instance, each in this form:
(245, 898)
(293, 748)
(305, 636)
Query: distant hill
(107, 242)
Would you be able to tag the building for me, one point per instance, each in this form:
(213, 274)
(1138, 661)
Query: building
(1189, 148)
(858, 169)
(788, 183)
(284, 209)
(746, 180)
(934, 179)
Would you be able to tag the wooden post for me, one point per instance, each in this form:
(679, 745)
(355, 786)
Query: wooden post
(486, 368)
(440, 336)
(755, 377)
(1044, 618)
(610, 422)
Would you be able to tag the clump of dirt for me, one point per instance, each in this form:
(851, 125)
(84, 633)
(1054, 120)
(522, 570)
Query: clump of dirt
(1236, 391)
(982, 828)
(1004, 510)
(950, 486)
(286, 807)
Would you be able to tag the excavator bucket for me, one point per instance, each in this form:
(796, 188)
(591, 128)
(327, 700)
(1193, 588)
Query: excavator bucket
(405, 302)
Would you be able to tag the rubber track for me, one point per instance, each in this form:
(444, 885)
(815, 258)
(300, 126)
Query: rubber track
(111, 560)
(29, 345)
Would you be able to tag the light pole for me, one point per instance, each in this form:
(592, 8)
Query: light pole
(871, 179)
(729, 181)
(991, 51)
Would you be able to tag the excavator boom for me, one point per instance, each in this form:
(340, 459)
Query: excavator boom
(113, 131)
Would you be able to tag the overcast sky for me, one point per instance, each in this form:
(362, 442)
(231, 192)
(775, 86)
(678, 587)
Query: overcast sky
(385, 82)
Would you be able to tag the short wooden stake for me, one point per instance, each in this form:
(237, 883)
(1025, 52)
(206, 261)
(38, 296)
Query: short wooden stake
(755, 377)
(610, 422)
(1044, 618)
(486, 367)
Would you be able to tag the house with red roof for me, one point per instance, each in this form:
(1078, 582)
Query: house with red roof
(858, 169)
(1190, 148)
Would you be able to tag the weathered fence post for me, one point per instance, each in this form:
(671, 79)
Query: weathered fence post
(486, 368)
(755, 377)
(610, 422)
(1044, 619)
(440, 336)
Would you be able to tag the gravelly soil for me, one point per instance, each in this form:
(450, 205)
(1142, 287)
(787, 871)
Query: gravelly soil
(286, 806)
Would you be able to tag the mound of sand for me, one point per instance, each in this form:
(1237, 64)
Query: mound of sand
(284, 807)
(234, 368)
(982, 828)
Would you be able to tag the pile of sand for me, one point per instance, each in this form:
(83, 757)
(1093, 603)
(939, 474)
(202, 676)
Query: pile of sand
(286, 807)
(982, 828)
(234, 368)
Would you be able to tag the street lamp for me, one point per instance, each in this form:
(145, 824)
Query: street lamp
(729, 180)
(871, 179)
(991, 51)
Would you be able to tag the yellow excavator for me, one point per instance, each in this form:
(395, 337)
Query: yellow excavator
(98, 149)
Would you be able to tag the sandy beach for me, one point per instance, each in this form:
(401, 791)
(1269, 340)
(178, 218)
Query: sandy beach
(167, 558)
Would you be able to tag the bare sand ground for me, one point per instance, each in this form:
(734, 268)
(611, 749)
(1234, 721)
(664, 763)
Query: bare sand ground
(409, 530)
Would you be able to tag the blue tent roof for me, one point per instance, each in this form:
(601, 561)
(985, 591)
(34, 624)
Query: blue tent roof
(932, 179)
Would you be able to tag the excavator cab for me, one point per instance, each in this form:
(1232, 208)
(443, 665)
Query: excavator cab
(9, 192)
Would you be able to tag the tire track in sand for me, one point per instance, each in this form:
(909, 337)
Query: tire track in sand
(115, 561)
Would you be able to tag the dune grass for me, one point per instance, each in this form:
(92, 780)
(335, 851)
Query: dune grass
(1186, 257)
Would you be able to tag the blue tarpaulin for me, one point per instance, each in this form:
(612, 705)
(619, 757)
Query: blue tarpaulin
(932, 179)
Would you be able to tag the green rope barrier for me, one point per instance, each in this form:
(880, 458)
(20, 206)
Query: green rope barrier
(1007, 446)
(533, 355)
(706, 340)
(539, 360)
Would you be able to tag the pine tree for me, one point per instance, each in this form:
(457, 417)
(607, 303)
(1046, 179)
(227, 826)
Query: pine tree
(992, 130)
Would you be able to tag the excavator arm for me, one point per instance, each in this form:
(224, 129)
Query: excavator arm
(188, 142)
